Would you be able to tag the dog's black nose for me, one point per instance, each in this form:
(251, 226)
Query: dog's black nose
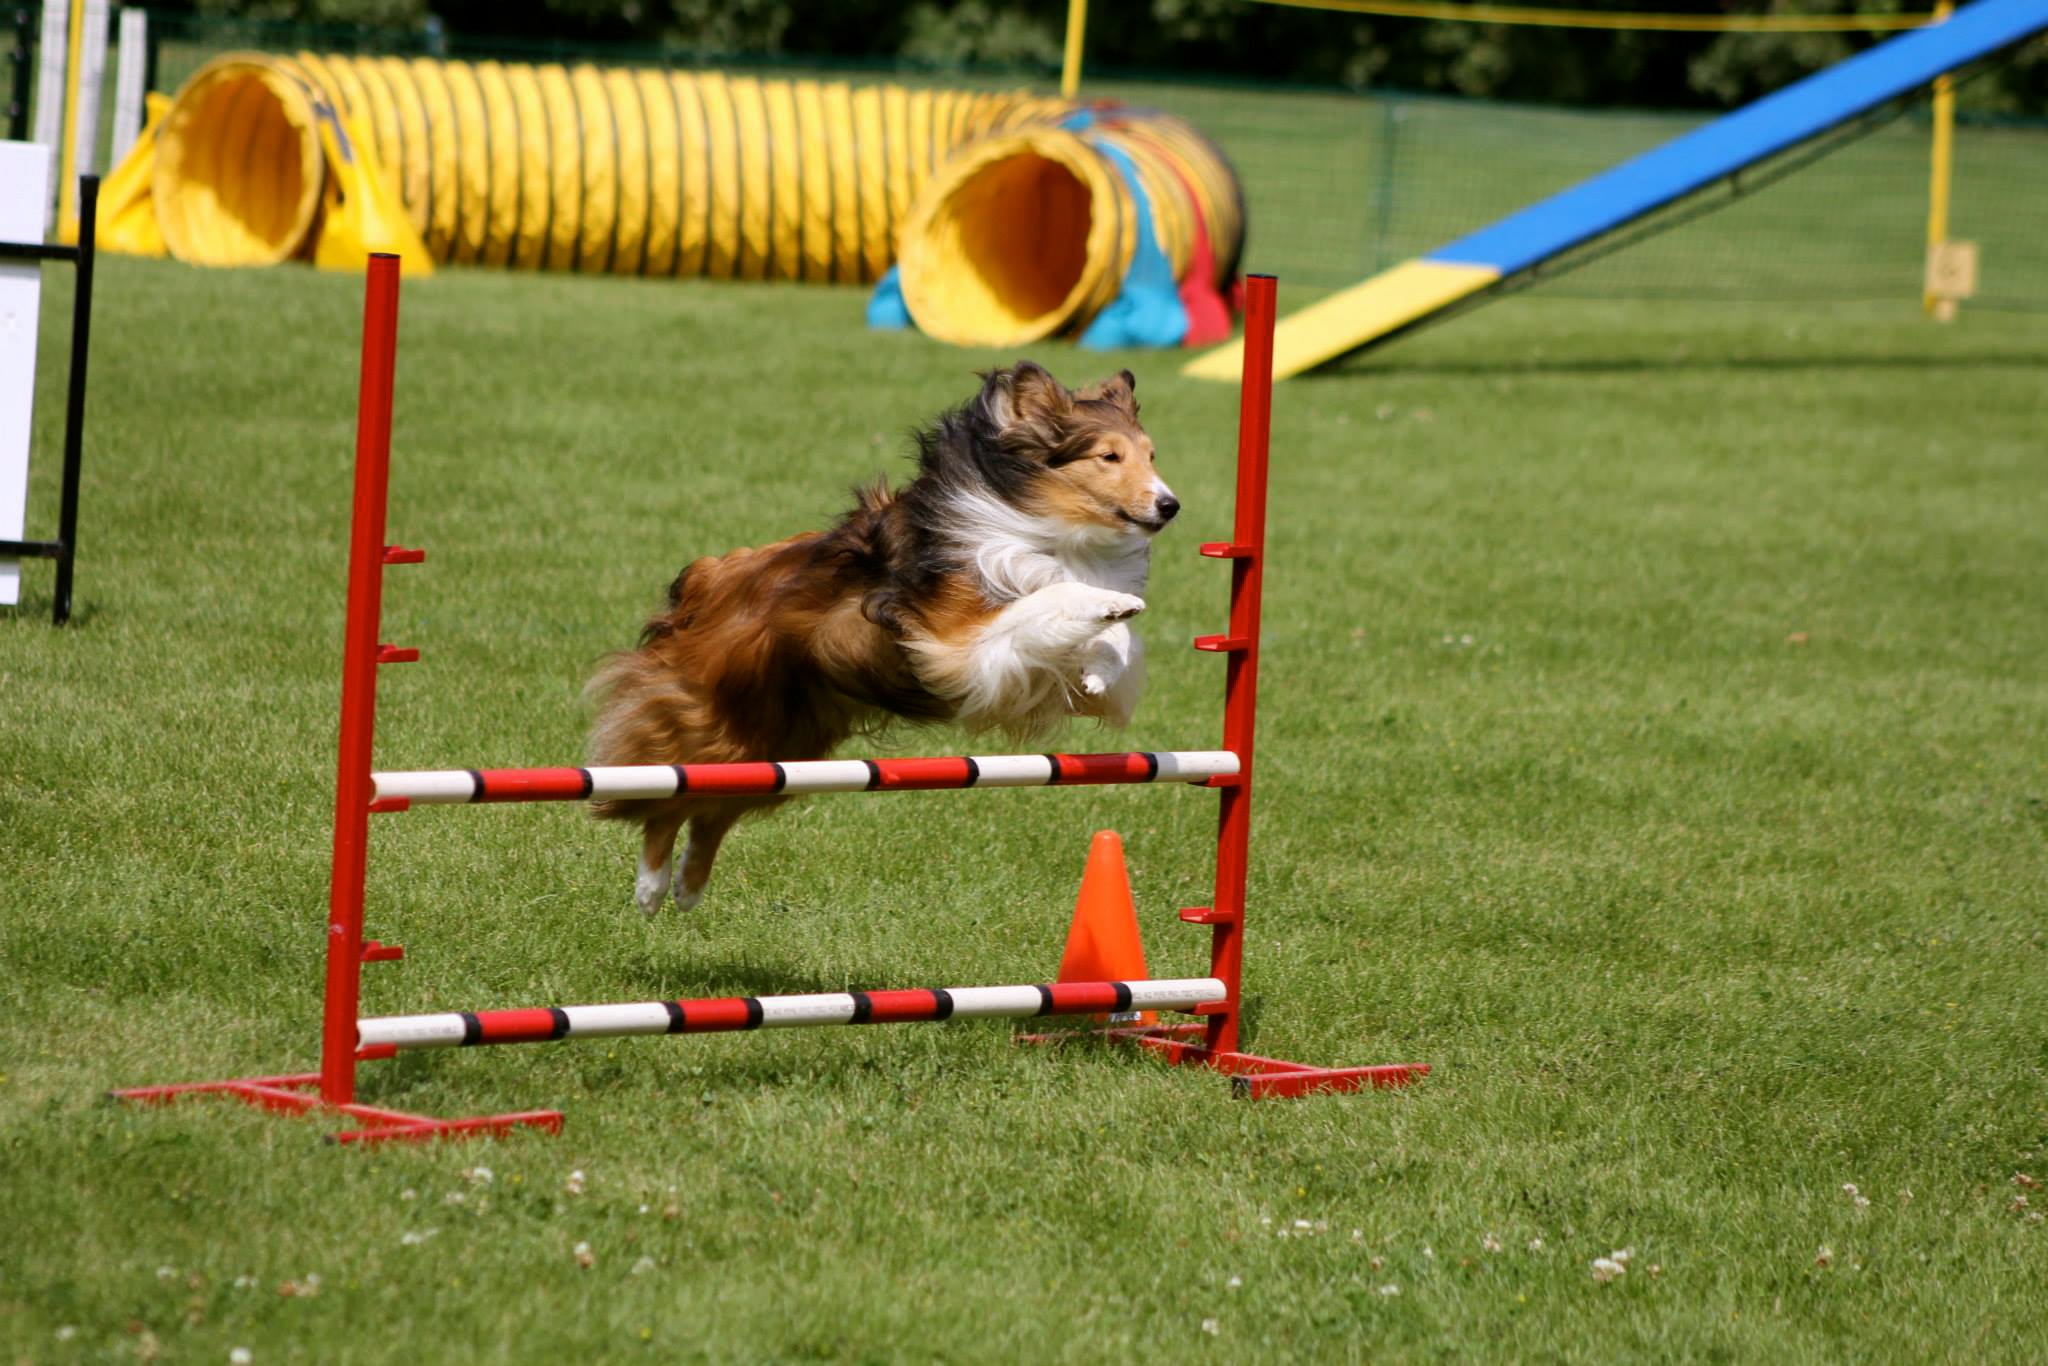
(1167, 506)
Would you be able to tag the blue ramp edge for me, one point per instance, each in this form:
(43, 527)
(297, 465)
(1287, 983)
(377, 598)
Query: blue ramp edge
(1770, 125)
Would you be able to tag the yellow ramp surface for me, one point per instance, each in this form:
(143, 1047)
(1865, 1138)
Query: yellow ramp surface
(1350, 318)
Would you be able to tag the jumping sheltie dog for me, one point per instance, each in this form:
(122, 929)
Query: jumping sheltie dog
(994, 589)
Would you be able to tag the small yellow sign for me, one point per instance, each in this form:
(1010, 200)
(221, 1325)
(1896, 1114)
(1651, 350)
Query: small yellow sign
(1951, 270)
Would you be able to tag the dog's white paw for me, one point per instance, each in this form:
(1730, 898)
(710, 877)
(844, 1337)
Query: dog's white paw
(1119, 606)
(650, 889)
(1106, 605)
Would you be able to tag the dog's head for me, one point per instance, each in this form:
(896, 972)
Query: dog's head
(1076, 456)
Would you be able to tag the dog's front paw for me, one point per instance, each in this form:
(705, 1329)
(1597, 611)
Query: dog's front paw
(1118, 606)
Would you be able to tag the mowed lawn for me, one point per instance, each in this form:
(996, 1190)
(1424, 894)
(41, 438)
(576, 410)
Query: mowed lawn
(1653, 743)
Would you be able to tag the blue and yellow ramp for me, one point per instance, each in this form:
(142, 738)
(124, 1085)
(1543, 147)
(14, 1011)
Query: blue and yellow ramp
(1372, 311)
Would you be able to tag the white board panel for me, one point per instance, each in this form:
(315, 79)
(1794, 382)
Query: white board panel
(24, 196)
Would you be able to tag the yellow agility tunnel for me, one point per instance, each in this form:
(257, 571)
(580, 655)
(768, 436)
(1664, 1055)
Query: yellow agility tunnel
(1016, 217)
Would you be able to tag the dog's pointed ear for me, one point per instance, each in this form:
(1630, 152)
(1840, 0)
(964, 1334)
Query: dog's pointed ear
(1025, 394)
(1120, 389)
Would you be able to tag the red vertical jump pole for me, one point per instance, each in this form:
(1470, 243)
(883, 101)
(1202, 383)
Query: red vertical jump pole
(360, 651)
(1246, 551)
(354, 793)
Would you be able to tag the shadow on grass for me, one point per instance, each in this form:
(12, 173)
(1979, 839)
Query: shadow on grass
(34, 609)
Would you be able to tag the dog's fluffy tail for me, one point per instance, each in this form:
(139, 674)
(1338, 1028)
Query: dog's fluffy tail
(631, 698)
(642, 707)
(653, 705)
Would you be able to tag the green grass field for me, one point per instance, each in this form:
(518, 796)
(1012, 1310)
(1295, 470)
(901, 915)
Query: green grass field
(1653, 743)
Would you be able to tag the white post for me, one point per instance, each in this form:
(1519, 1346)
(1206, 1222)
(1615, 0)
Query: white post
(51, 50)
(92, 71)
(24, 206)
(50, 53)
(131, 68)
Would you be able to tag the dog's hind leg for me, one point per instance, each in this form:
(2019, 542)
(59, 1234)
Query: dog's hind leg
(708, 828)
(657, 858)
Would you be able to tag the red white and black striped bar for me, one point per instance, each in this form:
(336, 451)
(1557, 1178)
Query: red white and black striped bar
(543, 1024)
(458, 785)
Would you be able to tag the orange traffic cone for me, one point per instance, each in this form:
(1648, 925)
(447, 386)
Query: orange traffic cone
(1103, 944)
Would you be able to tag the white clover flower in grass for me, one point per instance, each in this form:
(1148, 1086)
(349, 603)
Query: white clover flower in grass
(574, 1185)
(1234, 1283)
(1490, 1243)
(1606, 1269)
(1825, 1257)
(165, 1273)
(478, 1176)
(1429, 1254)
(408, 1194)
(1535, 1244)
(245, 1282)
(1377, 1263)
(67, 1332)
(240, 1356)
(585, 1258)
(1390, 1290)
(454, 1198)
(1303, 1225)
(1624, 1256)
(1212, 1327)
(643, 1266)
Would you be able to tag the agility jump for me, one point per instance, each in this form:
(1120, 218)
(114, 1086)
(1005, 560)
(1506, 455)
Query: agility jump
(347, 1039)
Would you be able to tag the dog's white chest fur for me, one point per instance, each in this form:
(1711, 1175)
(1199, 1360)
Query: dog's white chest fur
(1061, 643)
(1016, 554)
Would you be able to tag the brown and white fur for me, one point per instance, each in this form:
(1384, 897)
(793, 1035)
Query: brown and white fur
(994, 589)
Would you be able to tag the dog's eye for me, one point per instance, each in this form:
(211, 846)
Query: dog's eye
(1111, 456)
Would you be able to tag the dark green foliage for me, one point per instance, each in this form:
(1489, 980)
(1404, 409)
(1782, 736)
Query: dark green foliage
(1226, 38)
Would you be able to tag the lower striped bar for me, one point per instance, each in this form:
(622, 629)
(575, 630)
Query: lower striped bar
(542, 1024)
(795, 778)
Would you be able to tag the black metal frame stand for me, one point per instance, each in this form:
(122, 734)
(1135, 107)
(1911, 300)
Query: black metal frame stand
(64, 549)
